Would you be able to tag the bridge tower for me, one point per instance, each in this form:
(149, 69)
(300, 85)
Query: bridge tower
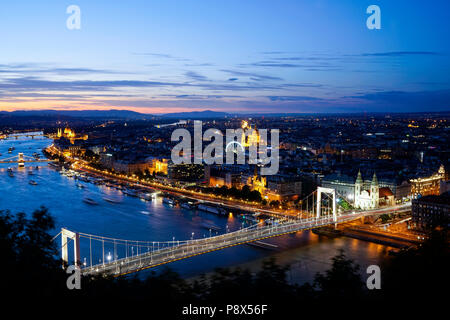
(321, 190)
(67, 234)
(21, 161)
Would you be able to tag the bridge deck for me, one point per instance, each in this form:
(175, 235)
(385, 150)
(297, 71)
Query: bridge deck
(27, 161)
(201, 246)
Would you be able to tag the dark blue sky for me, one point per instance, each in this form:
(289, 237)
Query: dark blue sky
(238, 56)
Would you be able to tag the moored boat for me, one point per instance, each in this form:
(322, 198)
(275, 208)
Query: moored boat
(145, 196)
(130, 193)
(187, 205)
(211, 209)
(168, 201)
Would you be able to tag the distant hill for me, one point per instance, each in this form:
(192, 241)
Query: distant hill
(196, 115)
(104, 114)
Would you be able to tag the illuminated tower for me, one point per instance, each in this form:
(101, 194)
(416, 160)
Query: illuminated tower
(250, 136)
(374, 191)
(358, 187)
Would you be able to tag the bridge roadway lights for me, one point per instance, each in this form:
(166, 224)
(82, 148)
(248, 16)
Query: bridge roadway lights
(67, 234)
(192, 248)
(138, 263)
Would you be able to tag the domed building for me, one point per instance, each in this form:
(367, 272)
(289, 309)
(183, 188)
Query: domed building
(70, 135)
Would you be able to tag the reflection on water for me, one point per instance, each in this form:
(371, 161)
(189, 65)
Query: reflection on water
(127, 217)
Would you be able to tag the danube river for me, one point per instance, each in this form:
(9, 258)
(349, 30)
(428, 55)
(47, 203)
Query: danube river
(134, 219)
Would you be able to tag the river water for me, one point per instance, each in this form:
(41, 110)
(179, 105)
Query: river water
(135, 219)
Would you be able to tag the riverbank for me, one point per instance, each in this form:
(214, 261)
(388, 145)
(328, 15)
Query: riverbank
(217, 201)
(132, 218)
(374, 236)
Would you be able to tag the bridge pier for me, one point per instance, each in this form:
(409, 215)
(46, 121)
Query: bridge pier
(67, 234)
(321, 190)
(21, 161)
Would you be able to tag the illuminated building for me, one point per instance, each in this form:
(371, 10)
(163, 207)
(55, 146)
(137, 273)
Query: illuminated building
(366, 199)
(428, 185)
(186, 172)
(229, 176)
(386, 197)
(158, 166)
(129, 166)
(250, 136)
(257, 183)
(282, 188)
(345, 186)
(342, 183)
(274, 187)
(217, 182)
(70, 135)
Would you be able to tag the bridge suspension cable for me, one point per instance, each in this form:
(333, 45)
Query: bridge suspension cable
(118, 256)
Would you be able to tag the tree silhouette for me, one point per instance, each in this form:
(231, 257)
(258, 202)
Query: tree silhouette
(342, 281)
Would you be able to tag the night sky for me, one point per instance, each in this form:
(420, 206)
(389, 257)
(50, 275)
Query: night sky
(236, 56)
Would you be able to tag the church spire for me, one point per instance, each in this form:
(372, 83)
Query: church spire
(374, 179)
(359, 178)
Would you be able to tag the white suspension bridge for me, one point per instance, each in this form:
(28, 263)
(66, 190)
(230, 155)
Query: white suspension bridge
(319, 209)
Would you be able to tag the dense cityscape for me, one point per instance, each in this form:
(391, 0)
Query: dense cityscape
(372, 161)
(389, 173)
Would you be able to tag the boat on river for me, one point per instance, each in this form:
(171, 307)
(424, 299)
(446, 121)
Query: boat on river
(211, 209)
(188, 205)
(145, 196)
(111, 200)
(90, 201)
(130, 193)
(168, 201)
(32, 182)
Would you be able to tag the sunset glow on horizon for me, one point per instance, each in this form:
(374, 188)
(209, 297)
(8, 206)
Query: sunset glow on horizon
(252, 57)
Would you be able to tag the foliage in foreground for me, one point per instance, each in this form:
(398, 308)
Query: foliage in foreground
(28, 258)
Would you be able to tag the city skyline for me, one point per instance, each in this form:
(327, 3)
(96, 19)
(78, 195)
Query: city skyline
(254, 57)
(225, 158)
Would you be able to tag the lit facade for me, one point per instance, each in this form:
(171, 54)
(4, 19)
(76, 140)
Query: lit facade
(429, 185)
(366, 199)
(250, 136)
(70, 135)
